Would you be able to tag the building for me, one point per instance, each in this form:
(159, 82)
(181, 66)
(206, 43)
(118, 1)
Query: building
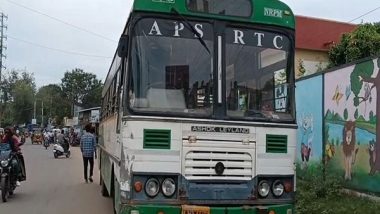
(314, 37)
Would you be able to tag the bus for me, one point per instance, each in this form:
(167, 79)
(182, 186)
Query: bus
(198, 109)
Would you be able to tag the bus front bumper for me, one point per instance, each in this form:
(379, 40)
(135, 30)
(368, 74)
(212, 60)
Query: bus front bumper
(160, 209)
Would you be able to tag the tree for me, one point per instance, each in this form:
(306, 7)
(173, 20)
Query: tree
(361, 43)
(93, 97)
(361, 74)
(81, 88)
(18, 93)
(56, 106)
(23, 94)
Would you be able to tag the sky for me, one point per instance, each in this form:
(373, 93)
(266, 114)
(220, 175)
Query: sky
(35, 42)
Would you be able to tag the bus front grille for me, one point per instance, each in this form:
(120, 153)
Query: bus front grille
(200, 165)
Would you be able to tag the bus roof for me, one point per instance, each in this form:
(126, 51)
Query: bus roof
(268, 12)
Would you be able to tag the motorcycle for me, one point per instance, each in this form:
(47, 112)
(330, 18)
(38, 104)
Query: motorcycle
(8, 178)
(46, 144)
(59, 150)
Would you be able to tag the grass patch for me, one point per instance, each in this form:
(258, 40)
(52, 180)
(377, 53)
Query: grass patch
(318, 195)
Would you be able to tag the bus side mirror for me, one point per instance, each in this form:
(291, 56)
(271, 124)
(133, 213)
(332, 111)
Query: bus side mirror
(122, 49)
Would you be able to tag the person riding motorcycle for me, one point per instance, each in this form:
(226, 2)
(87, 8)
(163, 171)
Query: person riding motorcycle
(63, 141)
(12, 140)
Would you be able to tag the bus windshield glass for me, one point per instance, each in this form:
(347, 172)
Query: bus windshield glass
(257, 78)
(172, 67)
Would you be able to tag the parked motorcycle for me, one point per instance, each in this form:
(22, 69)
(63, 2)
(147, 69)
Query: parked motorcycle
(8, 177)
(59, 150)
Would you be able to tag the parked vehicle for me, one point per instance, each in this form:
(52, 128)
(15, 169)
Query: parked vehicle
(8, 178)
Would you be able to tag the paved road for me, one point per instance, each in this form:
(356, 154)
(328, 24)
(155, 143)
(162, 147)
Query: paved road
(56, 186)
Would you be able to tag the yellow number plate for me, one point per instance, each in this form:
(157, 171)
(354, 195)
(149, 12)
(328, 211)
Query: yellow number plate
(186, 209)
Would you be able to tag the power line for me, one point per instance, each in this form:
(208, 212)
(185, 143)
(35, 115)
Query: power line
(59, 50)
(371, 11)
(61, 21)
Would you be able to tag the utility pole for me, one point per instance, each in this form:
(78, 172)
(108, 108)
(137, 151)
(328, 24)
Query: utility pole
(2, 55)
(42, 114)
(34, 115)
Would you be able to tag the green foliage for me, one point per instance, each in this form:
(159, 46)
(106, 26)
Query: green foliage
(313, 188)
(361, 70)
(345, 114)
(18, 94)
(317, 194)
(55, 106)
(372, 118)
(363, 42)
(23, 95)
(81, 88)
(356, 115)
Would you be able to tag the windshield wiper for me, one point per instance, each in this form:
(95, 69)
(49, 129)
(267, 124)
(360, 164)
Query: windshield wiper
(189, 26)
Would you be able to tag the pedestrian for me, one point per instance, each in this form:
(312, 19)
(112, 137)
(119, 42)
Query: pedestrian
(88, 148)
(60, 136)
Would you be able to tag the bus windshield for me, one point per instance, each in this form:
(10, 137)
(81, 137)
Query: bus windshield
(171, 67)
(172, 71)
(257, 78)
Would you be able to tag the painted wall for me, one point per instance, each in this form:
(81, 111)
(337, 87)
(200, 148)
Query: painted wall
(312, 61)
(309, 119)
(349, 124)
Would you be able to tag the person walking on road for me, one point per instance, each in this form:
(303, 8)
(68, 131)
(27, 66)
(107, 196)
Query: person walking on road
(88, 148)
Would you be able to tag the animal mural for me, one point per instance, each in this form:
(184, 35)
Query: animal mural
(372, 156)
(340, 128)
(329, 151)
(366, 77)
(349, 151)
(306, 124)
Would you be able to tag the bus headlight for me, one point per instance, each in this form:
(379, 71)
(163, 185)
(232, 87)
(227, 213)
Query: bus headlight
(278, 188)
(168, 187)
(152, 186)
(263, 188)
(4, 163)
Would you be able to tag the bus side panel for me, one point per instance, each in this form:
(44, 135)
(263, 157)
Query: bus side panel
(108, 164)
(105, 170)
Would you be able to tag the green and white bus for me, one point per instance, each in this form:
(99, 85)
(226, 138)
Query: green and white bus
(198, 110)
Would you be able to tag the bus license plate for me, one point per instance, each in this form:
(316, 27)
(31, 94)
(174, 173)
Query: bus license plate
(186, 209)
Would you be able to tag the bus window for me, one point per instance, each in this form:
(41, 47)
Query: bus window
(256, 74)
(241, 8)
(171, 70)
